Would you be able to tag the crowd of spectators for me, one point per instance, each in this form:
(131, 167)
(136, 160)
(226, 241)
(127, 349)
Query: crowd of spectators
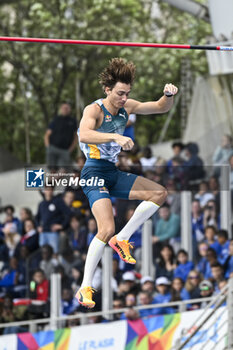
(56, 239)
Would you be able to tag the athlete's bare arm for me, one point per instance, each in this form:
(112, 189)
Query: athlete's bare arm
(163, 105)
(91, 120)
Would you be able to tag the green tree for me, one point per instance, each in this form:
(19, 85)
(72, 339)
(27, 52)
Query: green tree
(43, 75)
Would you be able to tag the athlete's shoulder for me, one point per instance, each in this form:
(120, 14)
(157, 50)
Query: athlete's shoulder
(130, 105)
(93, 110)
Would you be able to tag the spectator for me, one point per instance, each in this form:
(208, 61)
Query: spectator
(161, 175)
(163, 296)
(203, 194)
(68, 259)
(177, 148)
(11, 313)
(11, 237)
(69, 303)
(76, 275)
(148, 160)
(167, 227)
(145, 298)
(229, 261)
(132, 314)
(68, 198)
(130, 300)
(192, 285)
(221, 285)
(92, 229)
(206, 290)
(214, 188)
(118, 303)
(147, 284)
(127, 285)
(25, 214)
(193, 164)
(39, 286)
(197, 221)
(77, 235)
(129, 130)
(210, 238)
(52, 217)
(13, 279)
(211, 216)
(231, 177)
(61, 138)
(130, 279)
(197, 225)
(211, 259)
(135, 159)
(117, 275)
(79, 202)
(222, 237)
(218, 275)
(39, 291)
(165, 264)
(173, 198)
(9, 217)
(30, 236)
(222, 153)
(47, 263)
(202, 262)
(9, 231)
(184, 266)
(66, 281)
(178, 291)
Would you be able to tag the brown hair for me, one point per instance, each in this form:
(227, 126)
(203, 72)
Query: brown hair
(118, 70)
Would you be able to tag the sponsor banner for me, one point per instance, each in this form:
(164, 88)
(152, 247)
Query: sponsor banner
(109, 336)
(154, 333)
(49, 340)
(213, 332)
(8, 342)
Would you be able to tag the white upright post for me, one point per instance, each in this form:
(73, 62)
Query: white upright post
(230, 314)
(107, 292)
(147, 267)
(186, 227)
(55, 300)
(225, 199)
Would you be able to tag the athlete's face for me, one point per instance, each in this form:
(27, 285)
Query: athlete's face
(119, 94)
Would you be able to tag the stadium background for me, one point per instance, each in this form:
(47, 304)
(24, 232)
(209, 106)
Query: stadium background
(35, 79)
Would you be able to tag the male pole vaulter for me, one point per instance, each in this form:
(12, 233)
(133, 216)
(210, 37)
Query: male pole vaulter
(101, 139)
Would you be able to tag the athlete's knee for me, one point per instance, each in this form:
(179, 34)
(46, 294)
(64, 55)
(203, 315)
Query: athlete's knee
(159, 196)
(106, 233)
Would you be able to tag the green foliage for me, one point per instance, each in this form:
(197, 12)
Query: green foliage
(50, 72)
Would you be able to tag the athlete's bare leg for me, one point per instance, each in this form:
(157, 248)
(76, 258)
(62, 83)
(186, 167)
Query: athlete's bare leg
(147, 190)
(103, 213)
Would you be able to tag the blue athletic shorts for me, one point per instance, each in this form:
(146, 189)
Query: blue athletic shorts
(116, 183)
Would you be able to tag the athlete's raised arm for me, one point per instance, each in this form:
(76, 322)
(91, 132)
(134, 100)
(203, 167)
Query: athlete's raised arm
(163, 105)
(88, 134)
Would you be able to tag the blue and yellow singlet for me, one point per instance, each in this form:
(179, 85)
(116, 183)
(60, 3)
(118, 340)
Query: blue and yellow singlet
(111, 124)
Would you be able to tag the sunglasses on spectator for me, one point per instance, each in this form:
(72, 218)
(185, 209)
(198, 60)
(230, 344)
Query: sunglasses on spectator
(193, 277)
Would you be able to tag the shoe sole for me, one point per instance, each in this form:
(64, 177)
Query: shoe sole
(86, 305)
(116, 250)
(89, 306)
